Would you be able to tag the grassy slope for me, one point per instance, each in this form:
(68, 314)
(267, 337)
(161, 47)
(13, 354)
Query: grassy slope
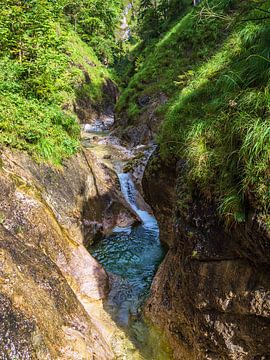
(36, 99)
(215, 68)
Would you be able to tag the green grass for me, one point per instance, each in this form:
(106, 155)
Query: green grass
(186, 45)
(37, 97)
(220, 123)
(44, 130)
(85, 61)
(214, 66)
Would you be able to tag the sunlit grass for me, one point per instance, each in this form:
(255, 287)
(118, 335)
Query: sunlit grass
(36, 111)
(214, 66)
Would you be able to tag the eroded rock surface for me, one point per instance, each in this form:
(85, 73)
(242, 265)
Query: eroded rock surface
(84, 195)
(211, 294)
(144, 127)
(51, 289)
(88, 111)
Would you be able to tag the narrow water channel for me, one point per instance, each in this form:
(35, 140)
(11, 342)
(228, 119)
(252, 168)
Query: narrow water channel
(131, 257)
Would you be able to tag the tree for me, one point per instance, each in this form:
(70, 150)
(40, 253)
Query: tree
(26, 26)
(96, 21)
(156, 15)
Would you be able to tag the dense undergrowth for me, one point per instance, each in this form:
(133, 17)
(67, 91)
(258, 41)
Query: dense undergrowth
(214, 67)
(36, 110)
(45, 65)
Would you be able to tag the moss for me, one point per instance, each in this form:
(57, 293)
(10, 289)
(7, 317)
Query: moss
(153, 165)
(2, 217)
(134, 162)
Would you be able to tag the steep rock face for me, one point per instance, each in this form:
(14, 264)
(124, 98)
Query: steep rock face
(211, 294)
(51, 289)
(41, 318)
(87, 110)
(84, 195)
(143, 127)
(158, 185)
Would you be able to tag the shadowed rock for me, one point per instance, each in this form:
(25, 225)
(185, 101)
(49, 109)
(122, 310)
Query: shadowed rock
(51, 289)
(211, 295)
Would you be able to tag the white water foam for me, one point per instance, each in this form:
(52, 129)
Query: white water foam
(130, 193)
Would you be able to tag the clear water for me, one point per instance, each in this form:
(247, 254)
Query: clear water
(131, 257)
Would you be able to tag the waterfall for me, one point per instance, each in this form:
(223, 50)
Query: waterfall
(130, 193)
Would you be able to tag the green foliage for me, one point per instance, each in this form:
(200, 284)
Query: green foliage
(96, 22)
(214, 65)
(172, 56)
(44, 67)
(43, 130)
(220, 121)
(155, 16)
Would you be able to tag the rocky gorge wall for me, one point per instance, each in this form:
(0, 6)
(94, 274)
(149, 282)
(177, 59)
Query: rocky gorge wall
(211, 294)
(51, 289)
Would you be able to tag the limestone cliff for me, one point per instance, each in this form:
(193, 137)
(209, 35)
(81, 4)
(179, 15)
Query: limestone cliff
(51, 289)
(211, 295)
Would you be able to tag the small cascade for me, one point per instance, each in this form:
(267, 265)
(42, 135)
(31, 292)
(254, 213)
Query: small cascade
(131, 256)
(130, 193)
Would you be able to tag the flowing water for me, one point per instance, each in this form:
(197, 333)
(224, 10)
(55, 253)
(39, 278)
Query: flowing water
(131, 257)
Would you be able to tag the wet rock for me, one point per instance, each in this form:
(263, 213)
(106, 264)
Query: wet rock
(108, 121)
(85, 109)
(42, 318)
(84, 190)
(107, 157)
(111, 94)
(145, 126)
(92, 128)
(143, 100)
(140, 134)
(105, 202)
(51, 289)
(158, 184)
(99, 125)
(88, 111)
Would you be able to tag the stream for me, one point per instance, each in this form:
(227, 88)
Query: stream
(131, 256)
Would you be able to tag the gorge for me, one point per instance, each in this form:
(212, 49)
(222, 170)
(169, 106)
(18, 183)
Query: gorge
(134, 180)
